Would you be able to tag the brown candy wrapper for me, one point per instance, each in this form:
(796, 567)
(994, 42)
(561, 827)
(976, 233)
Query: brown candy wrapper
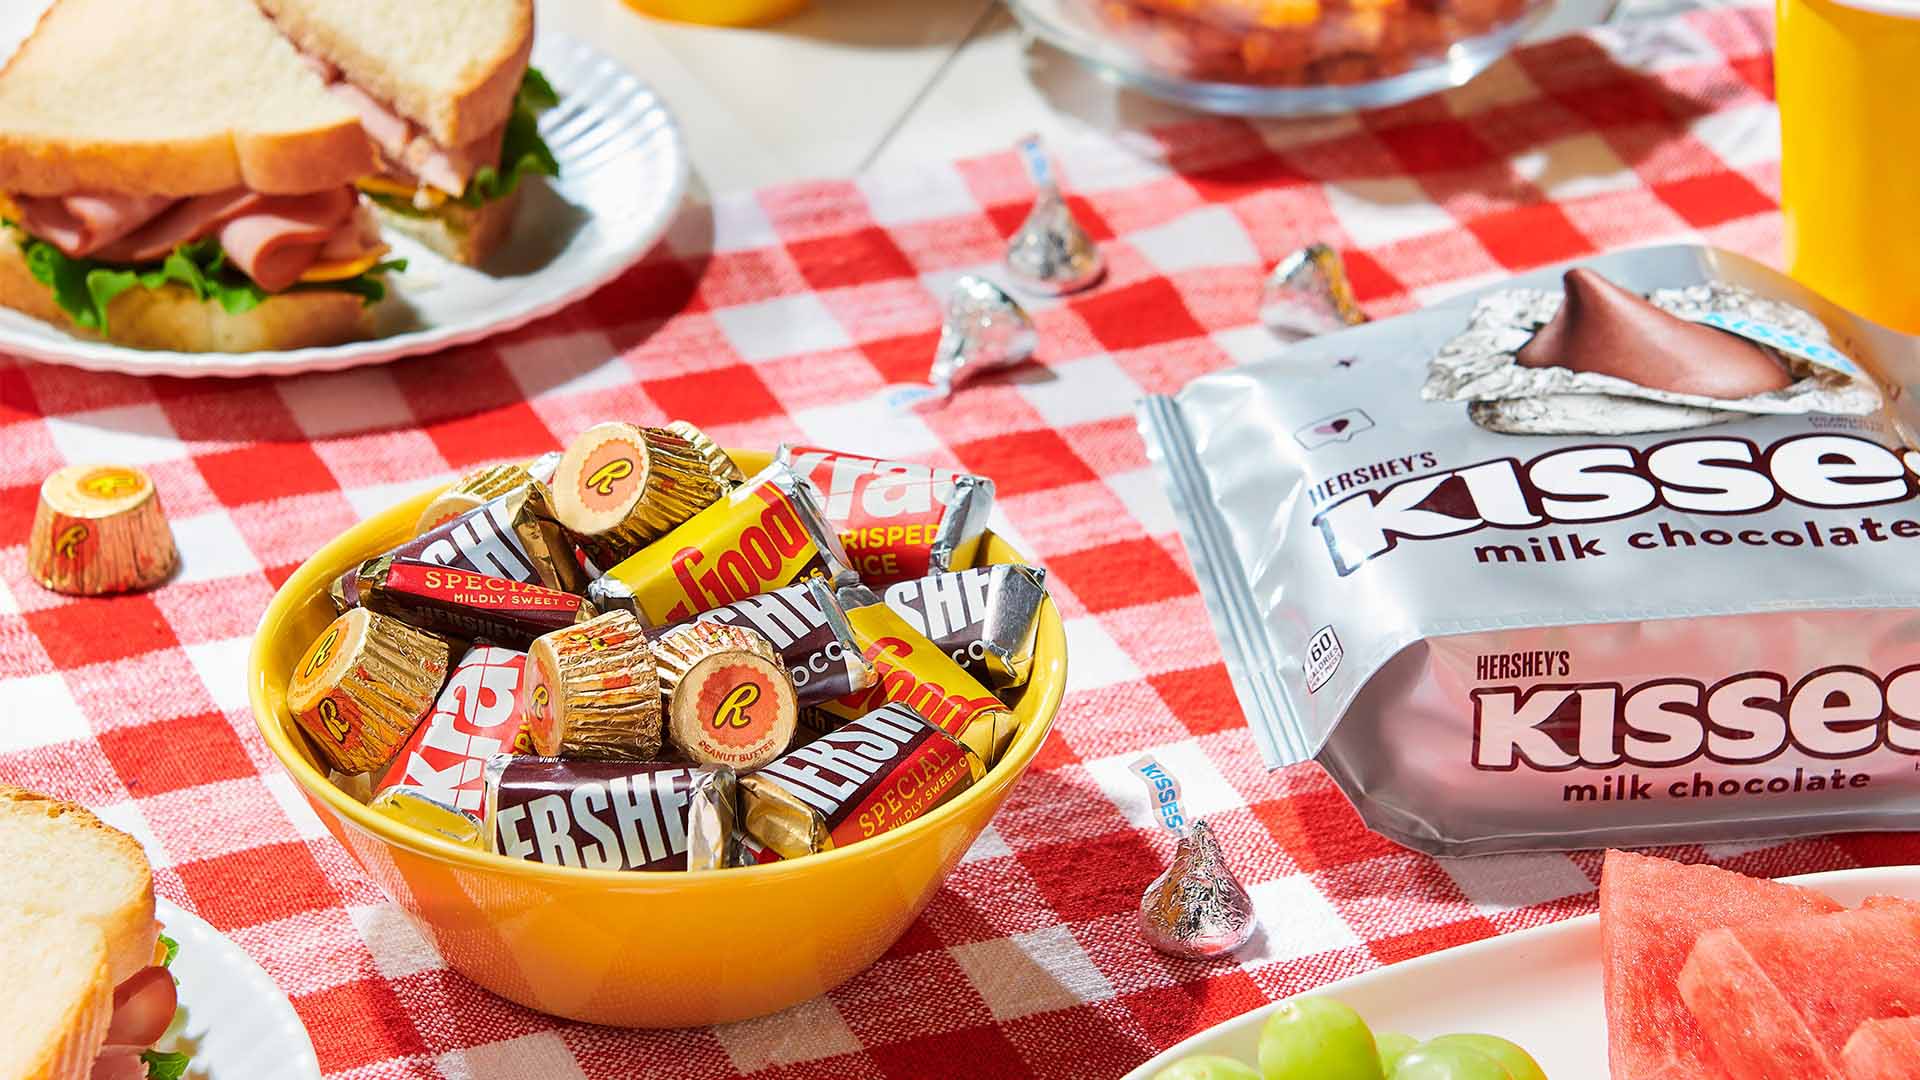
(513, 536)
(808, 629)
(620, 486)
(868, 776)
(463, 604)
(729, 701)
(363, 686)
(592, 691)
(604, 815)
(913, 670)
(986, 619)
(99, 529)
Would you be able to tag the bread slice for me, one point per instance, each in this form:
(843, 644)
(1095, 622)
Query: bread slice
(172, 317)
(465, 234)
(170, 97)
(450, 66)
(57, 997)
(62, 861)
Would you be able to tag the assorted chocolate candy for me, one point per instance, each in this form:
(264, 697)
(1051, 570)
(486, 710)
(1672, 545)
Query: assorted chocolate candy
(632, 656)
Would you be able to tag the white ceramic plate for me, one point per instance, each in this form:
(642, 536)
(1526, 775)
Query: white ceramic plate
(234, 1020)
(623, 172)
(1540, 988)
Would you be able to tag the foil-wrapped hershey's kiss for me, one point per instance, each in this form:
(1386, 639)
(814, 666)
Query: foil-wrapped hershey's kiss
(1051, 254)
(1308, 294)
(1197, 909)
(983, 329)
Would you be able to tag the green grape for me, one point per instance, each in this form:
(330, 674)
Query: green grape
(1442, 1061)
(1393, 1046)
(1317, 1038)
(1206, 1067)
(1518, 1063)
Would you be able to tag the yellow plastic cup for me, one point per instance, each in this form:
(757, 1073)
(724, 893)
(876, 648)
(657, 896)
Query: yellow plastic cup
(718, 12)
(638, 949)
(1845, 76)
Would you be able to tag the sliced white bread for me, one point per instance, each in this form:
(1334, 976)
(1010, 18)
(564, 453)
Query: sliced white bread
(63, 862)
(172, 317)
(465, 234)
(57, 997)
(451, 66)
(170, 97)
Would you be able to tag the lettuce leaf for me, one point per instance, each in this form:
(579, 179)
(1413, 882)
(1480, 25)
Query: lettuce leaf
(173, 950)
(83, 287)
(165, 1066)
(522, 150)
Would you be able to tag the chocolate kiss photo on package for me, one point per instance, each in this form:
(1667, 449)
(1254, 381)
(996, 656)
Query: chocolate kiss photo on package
(1620, 553)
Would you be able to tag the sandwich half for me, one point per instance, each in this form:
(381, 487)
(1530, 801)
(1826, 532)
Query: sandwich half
(444, 91)
(175, 175)
(88, 992)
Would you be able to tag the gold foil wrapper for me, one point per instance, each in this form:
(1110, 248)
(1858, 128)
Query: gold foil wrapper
(593, 691)
(621, 486)
(777, 819)
(729, 699)
(479, 486)
(100, 529)
(723, 467)
(364, 685)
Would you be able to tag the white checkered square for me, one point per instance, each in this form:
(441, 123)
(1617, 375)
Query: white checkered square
(1379, 212)
(1145, 499)
(868, 426)
(1097, 659)
(399, 948)
(127, 435)
(1296, 919)
(1212, 236)
(543, 1055)
(130, 819)
(39, 710)
(921, 195)
(211, 548)
(807, 1032)
(1516, 881)
(1573, 167)
(1743, 138)
(336, 402)
(787, 326)
(563, 365)
(1203, 791)
(740, 223)
(1079, 391)
(222, 666)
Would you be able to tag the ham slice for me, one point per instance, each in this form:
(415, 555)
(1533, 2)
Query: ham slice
(143, 1006)
(80, 225)
(409, 153)
(185, 221)
(277, 239)
(119, 1065)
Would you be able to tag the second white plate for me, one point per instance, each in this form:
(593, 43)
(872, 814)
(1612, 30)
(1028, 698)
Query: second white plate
(1540, 988)
(623, 173)
(236, 1023)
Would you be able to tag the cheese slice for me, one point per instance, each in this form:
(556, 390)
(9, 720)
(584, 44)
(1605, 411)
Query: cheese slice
(423, 197)
(342, 269)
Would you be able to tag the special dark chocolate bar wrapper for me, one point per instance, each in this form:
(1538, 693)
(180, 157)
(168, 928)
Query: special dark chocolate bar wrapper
(609, 815)
(1617, 554)
(514, 536)
(463, 604)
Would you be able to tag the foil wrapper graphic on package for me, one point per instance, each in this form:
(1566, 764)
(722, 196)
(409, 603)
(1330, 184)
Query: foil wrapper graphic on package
(1594, 358)
(1499, 584)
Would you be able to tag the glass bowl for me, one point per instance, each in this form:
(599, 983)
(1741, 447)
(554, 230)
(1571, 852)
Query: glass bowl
(1282, 57)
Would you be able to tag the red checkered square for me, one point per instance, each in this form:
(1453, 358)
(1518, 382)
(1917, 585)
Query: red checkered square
(977, 1053)
(1398, 947)
(1122, 574)
(76, 633)
(859, 257)
(1026, 461)
(256, 885)
(724, 396)
(1321, 831)
(173, 754)
(1077, 878)
(265, 471)
(1201, 698)
(1144, 313)
(358, 1023)
(1171, 1013)
(515, 431)
(1712, 199)
(1530, 236)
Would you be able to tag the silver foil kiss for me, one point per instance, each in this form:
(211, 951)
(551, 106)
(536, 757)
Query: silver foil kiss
(1051, 254)
(1197, 908)
(1308, 294)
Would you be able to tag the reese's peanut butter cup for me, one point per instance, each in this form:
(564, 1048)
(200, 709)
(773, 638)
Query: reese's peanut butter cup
(868, 776)
(729, 701)
(620, 486)
(913, 670)
(463, 604)
(365, 683)
(719, 463)
(513, 536)
(470, 492)
(592, 691)
(99, 529)
(610, 815)
(764, 534)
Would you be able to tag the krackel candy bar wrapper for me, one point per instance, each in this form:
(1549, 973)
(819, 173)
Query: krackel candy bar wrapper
(1623, 554)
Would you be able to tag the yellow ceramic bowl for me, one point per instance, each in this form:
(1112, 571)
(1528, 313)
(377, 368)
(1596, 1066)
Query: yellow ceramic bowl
(637, 949)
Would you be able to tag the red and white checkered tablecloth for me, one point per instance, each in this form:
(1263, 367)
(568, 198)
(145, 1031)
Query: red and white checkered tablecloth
(779, 315)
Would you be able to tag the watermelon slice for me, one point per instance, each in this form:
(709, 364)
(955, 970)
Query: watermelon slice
(1777, 1000)
(1883, 1050)
(1651, 910)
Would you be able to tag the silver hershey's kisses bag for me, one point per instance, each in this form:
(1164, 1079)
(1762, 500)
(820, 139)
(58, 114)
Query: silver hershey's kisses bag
(1625, 556)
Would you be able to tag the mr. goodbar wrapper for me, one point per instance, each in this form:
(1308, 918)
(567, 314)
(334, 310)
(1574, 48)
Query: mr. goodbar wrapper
(1542, 606)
